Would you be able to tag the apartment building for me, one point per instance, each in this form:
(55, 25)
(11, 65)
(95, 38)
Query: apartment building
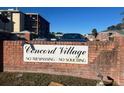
(37, 24)
(33, 23)
(16, 21)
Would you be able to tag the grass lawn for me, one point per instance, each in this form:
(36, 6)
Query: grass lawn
(39, 79)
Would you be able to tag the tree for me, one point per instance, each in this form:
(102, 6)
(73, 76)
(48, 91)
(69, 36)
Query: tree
(122, 13)
(94, 32)
(52, 35)
(59, 33)
(118, 26)
(112, 27)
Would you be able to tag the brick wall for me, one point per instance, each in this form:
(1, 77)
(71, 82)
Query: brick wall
(103, 57)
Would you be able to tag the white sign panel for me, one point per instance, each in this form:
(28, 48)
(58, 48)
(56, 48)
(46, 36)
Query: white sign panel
(56, 53)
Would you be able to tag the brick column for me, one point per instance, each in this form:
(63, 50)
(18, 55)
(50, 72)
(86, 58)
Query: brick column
(121, 60)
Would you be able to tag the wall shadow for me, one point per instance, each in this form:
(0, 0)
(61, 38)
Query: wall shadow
(1, 55)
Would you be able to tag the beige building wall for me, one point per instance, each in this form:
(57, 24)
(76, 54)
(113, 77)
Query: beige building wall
(18, 22)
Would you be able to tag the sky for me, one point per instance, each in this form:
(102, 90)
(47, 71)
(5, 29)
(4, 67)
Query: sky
(77, 19)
